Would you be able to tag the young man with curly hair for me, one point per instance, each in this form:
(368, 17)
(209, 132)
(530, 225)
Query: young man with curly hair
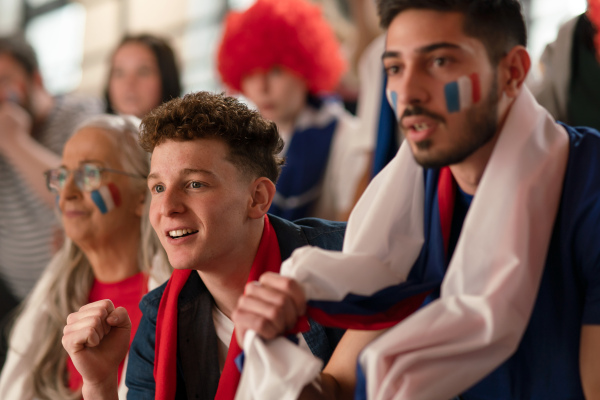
(212, 179)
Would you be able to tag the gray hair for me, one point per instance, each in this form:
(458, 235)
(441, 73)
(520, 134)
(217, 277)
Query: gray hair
(68, 278)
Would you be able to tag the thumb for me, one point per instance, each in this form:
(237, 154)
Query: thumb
(119, 318)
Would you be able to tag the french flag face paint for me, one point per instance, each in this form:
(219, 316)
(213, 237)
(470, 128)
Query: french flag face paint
(106, 197)
(462, 93)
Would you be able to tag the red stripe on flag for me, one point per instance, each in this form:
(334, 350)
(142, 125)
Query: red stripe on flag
(476, 87)
(114, 192)
(373, 322)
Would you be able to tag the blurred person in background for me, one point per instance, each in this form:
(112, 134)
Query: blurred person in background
(143, 75)
(570, 87)
(288, 68)
(110, 252)
(34, 126)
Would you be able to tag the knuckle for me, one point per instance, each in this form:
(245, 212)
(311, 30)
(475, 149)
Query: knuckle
(96, 320)
(272, 314)
(88, 331)
(242, 302)
(279, 300)
(287, 283)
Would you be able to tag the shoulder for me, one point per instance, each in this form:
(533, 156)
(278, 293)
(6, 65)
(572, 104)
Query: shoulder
(564, 38)
(584, 147)
(579, 134)
(580, 201)
(150, 302)
(308, 231)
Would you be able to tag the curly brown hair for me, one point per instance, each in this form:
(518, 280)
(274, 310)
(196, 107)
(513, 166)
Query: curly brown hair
(253, 141)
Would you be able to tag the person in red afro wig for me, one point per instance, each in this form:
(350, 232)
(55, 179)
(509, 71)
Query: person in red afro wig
(284, 33)
(284, 57)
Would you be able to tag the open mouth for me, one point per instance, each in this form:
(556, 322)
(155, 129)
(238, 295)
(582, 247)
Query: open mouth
(420, 127)
(179, 233)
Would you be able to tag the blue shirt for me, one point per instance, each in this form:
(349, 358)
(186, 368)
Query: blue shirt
(546, 363)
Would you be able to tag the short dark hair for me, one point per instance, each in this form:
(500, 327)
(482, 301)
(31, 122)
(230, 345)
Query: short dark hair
(498, 24)
(17, 47)
(254, 142)
(167, 66)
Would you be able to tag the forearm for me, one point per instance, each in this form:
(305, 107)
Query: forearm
(30, 159)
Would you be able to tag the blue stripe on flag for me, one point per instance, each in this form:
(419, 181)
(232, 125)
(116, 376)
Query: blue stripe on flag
(378, 302)
(99, 201)
(452, 96)
(239, 361)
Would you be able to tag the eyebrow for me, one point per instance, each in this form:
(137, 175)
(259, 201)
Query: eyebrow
(86, 161)
(185, 172)
(422, 50)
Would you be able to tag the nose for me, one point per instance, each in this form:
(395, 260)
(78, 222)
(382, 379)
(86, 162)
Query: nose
(129, 80)
(171, 203)
(70, 190)
(410, 87)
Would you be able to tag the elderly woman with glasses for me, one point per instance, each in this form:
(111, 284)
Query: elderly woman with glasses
(110, 252)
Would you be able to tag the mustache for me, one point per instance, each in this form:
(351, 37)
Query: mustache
(411, 111)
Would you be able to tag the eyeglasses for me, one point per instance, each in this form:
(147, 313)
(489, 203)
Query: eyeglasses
(88, 177)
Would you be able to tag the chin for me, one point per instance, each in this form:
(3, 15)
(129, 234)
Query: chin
(181, 261)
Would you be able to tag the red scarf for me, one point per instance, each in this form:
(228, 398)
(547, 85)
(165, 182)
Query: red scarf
(446, 195)
(268, 258)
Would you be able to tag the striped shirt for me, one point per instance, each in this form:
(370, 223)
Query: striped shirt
(28, 226)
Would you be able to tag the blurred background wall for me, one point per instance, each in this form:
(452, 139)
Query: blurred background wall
(74, 39)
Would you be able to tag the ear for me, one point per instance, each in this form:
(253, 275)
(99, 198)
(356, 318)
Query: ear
(262, 193)
(513, 71)
(140, 207)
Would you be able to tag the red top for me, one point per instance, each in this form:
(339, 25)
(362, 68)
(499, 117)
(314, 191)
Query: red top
(126, 293)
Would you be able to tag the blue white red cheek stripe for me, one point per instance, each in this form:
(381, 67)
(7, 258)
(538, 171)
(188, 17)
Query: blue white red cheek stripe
(106, 197)
(462, 93)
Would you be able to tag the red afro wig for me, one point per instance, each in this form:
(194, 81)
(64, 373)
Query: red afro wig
(288, 33)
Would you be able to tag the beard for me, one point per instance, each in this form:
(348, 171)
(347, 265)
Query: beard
(481, 126)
